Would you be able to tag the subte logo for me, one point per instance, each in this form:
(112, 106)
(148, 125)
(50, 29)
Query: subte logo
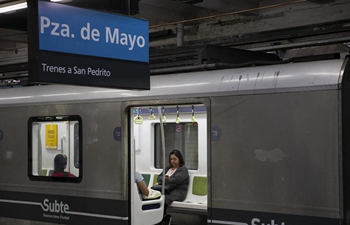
(55, 207)
(257, 221)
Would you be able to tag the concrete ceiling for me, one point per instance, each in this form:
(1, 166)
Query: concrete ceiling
(248, 24)
(156, 11)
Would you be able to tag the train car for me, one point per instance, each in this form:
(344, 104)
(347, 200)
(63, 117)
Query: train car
(263, 145)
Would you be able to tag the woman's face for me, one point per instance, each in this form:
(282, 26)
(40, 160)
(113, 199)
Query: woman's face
(174, 161)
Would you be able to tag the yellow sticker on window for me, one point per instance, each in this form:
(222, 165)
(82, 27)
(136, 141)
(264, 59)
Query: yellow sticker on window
(51, 136)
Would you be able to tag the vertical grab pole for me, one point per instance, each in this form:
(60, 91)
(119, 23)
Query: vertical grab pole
(163, 146)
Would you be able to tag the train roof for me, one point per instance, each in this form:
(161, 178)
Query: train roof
(291, 77)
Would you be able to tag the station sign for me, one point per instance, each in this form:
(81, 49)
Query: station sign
(70, 45)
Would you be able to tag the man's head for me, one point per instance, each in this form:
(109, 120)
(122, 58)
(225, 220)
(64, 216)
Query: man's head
(60, 162)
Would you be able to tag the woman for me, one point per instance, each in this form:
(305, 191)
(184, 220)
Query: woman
(60, 164)
(176, 180)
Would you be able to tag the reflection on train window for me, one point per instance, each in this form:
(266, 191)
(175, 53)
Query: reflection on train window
(49, 137)
(182, 136)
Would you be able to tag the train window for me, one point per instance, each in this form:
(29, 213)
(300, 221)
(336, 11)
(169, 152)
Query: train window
(182, 136)
(54, 145)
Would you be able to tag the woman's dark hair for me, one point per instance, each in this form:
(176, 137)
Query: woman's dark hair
(178, 154)
(60, 162)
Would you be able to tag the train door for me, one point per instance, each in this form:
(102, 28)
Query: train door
(183, 127)
(143, 212)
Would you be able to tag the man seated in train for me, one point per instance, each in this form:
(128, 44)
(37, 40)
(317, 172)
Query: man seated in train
(60, 164)
(146, 193)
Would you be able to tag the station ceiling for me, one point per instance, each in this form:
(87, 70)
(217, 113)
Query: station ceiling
(13, 26)
(261, 25)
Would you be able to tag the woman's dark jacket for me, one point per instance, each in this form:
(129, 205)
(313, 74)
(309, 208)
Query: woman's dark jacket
(177, 184)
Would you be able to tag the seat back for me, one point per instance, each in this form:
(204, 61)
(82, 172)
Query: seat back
(43, 172)
(146, 178)
(155, 178)
(199, 186)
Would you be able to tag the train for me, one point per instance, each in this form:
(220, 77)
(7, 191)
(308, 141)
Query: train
(263, 145)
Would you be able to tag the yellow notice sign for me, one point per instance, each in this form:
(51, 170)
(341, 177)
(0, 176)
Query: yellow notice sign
(51, 136)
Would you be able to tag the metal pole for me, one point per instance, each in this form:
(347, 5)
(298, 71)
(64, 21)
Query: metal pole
(163, 146)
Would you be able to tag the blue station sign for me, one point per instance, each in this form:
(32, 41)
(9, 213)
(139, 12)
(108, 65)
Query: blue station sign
(70, 45)
(74, 30)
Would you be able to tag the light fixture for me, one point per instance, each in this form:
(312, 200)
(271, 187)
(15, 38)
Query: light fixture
(22, 4)
(13, 6)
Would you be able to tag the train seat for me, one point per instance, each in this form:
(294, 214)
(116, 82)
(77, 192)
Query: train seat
(150, 211)
(196, 199)
(43, 172)
(146, 178)
(155, 177)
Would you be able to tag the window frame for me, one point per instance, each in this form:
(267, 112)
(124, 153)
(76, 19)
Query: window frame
(55, 118)
(183, 151)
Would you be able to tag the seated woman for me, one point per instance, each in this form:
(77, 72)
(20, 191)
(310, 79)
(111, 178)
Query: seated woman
(60, 164)
(176, 181)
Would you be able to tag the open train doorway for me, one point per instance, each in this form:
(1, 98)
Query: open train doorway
(185, 128)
